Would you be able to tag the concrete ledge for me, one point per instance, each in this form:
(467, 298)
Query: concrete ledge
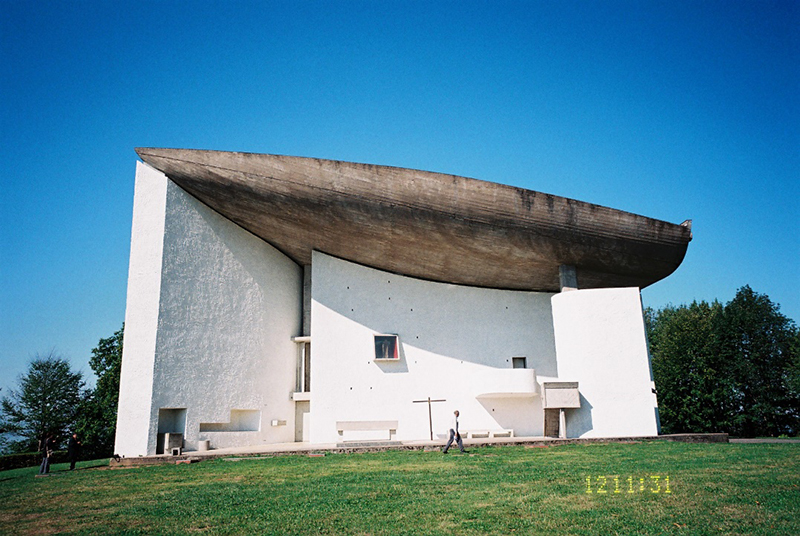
(341, 448)
(160, 459)
(382, 445)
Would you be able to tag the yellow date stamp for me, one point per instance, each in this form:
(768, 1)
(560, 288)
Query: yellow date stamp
(630, 484)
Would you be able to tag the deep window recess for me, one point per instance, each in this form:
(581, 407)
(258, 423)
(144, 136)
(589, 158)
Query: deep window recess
(306, 387)
(386, 347)
(242, 420)
(519, 362)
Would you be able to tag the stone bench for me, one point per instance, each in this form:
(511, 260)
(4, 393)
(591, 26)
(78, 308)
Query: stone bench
(485, 434)
(365, 430)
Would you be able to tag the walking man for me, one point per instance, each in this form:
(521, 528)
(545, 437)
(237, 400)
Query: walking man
(454, 434)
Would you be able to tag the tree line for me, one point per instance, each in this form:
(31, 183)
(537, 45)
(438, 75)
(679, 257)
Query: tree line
(51, 399)
(731, 368)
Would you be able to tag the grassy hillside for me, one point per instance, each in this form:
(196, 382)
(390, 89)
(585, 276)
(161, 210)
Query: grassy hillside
(571, 489)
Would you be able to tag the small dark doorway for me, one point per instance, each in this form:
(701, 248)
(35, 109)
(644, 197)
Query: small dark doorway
(551, 422)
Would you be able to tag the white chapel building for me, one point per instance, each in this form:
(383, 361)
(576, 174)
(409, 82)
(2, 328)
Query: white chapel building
(276, 299)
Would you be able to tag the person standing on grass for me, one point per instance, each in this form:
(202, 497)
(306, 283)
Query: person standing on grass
(454, 434)
(73, 448)
(46, 448)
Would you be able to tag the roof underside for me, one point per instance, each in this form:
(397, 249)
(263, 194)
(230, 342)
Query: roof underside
(427, 225)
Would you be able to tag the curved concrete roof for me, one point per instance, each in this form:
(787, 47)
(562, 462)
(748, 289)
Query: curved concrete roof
(428, 225)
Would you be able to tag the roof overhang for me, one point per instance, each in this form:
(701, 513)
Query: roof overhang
(427, 225)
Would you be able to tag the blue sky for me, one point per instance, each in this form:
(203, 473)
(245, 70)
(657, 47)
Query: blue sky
(672, 110)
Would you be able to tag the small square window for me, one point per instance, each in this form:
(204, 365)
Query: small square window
(519, 362)
(386, 347)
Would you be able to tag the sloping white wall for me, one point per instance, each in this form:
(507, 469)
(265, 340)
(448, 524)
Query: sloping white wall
(456, 343)
(228, 305)
(600, 343)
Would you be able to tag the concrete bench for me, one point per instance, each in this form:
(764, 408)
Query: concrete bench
(485, 434)
(366, 430)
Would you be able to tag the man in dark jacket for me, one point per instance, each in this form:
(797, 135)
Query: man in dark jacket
(72, 450)
(46, 444)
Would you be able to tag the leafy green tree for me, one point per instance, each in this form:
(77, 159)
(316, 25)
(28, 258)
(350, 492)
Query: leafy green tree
(97, 421)
(690, 375)
(794, 368)
(731, 368)
(761, 344)
(3, 431)
(46, 401)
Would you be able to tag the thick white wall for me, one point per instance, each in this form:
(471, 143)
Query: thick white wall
(456, 343)
(227, 306)
(141, 314)
(600, 343)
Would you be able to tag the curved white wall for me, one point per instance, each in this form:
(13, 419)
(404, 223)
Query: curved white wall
(454, 341)
(228, 305)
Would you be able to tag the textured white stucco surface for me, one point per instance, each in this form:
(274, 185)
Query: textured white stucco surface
(600, 342)
(228, 305)
(457, 343)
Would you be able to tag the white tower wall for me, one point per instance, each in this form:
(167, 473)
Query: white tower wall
(141, 314)
(600, 342)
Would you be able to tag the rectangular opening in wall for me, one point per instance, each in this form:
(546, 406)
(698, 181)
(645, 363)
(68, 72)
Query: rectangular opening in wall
(519, 362)
(242, 420)
(171, 427)
(306, 368)
(303, 378)
(171, 420)
(386, 348)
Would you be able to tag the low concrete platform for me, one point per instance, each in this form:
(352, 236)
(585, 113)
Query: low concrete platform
(283, 449)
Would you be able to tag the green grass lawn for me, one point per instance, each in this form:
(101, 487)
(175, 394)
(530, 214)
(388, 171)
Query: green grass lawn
(713, 489)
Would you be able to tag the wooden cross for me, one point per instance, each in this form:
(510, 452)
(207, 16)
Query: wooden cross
(430, 416)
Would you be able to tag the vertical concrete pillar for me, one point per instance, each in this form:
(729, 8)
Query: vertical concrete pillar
(307, 300)
(568, 277)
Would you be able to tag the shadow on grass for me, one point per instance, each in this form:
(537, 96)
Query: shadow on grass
(57, 469)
